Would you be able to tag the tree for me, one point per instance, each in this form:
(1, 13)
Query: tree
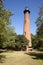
(7, 35)
(11, 40)
(21, 42)
(39, 24)
(35, 42)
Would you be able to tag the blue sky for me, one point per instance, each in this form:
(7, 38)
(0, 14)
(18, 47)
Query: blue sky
(17, 7)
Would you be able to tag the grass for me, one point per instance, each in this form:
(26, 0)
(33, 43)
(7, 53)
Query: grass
(21, 58)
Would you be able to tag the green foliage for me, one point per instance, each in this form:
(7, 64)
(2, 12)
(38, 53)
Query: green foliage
(7, 34)
(21, 41)
(37, 40)
(34, 41)
(39, 23)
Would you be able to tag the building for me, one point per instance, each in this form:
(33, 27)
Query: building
(27, 33)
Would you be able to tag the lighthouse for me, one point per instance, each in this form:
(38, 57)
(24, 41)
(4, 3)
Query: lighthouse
(26, 30)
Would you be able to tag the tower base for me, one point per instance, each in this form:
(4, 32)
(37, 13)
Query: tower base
(29, 48)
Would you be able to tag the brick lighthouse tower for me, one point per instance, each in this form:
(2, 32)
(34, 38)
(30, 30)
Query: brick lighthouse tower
(27, 33)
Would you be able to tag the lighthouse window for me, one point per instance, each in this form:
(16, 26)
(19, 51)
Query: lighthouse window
(25, 21)
(25, 33)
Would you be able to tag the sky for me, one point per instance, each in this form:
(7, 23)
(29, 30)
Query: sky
(17, 7)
